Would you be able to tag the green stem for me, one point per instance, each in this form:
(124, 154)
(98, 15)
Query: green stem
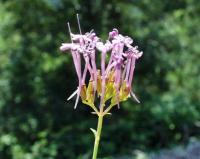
(108, 109)
(97, 136)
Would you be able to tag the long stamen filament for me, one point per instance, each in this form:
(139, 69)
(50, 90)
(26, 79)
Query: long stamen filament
(79, 26)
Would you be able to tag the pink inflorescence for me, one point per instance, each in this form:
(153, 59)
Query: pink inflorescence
(113, 80)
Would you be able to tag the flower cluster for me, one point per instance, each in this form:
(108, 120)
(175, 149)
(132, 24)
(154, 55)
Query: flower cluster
(112, 82)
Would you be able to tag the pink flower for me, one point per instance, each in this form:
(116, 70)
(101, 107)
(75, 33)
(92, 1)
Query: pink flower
(119, 70)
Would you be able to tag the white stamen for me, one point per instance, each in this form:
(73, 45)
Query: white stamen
(134, 96)
(91, 31)
(79, 26)
(72, 95)
(69, 28)
(77, 98)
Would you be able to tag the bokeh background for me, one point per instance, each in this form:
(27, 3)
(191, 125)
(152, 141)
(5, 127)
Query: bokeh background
(37, 122)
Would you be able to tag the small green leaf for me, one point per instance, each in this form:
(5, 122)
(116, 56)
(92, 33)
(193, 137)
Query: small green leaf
(94, 131)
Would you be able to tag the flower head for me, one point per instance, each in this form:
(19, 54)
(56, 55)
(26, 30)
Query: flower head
(113, 80)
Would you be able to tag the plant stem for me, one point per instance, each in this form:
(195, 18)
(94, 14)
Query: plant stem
(97, 136)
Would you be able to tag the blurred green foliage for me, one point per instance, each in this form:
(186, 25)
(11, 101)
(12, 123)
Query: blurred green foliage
(36, 122)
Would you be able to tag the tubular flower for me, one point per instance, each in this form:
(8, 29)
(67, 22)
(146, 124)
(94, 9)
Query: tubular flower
(112, 82)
